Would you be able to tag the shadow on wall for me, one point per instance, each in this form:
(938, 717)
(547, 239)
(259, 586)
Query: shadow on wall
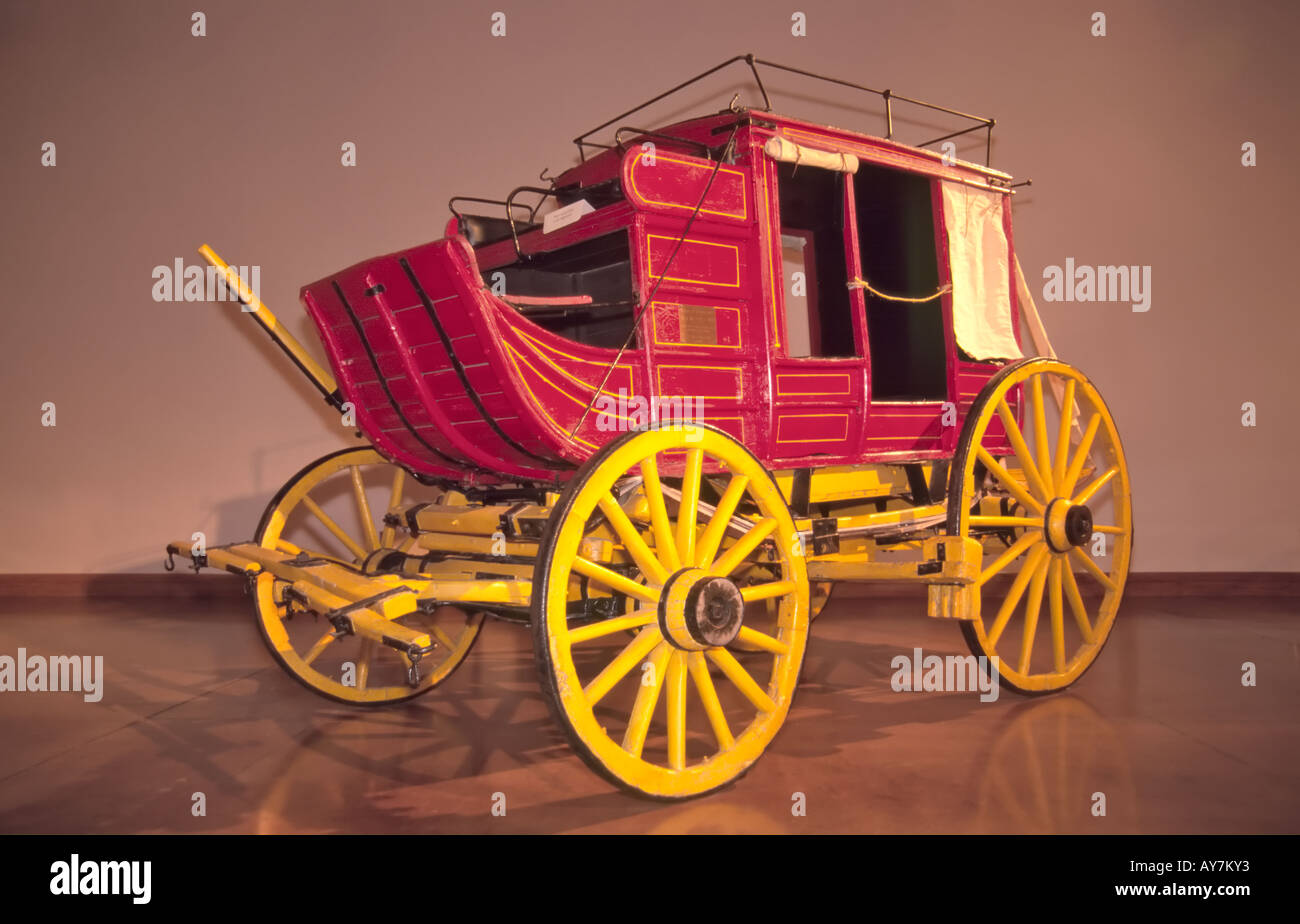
(233, 520)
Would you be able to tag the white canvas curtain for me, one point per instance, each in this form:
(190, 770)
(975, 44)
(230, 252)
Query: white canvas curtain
(981, 275)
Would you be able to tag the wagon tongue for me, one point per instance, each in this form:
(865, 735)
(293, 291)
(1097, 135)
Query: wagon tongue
(365, 605)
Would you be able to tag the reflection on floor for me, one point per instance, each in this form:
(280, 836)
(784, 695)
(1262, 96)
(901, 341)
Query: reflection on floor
(1162, 725)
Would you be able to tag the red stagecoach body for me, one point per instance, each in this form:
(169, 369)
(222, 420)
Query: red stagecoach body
(493, 354)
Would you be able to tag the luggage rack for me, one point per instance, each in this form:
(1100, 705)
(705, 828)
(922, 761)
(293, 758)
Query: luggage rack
(889, 96)
(981, 123)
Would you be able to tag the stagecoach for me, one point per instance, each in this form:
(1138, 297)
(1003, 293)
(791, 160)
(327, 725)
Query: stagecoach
(869, 397)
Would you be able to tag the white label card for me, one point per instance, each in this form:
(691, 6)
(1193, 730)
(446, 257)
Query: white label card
(566, 216)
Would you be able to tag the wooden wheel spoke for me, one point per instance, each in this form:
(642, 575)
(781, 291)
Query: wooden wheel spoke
(1027, 500)
(613, 580)
(364, 658)
(1027, 571)
(766, 591)
(631, 538)
(1063, 435)
(740, 678)
(1076, 603)
(699, 669)
(1040, 433)
(1110, 530)
(1080, 455)
(316, 650)
(443, 638)
(363, 508)
(1097, 484)
(762, 641)
(1023, 455)
(1058, 615)
(647, 697)
(743, 546)
(676, 683)
(665, 544)
(688, 509)
(711, 538)
(328, 522)
(1032, 608)
(1093, 568)
(626, 659)
(394, 500)
(633, 620)
(1014, 551)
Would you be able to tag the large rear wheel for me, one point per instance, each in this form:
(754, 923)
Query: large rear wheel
(625, 529)
(1067, 539)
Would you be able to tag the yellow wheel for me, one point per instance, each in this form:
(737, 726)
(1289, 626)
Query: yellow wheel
(334, 509)
(680, 564)
(1049, 591)
(766, 619)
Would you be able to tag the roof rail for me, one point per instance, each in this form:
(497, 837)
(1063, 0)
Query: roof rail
(754, 62)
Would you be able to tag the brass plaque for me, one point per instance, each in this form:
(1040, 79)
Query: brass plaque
(698, 325)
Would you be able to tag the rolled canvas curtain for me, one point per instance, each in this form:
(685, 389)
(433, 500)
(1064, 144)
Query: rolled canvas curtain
(981, 273)
(785, 150)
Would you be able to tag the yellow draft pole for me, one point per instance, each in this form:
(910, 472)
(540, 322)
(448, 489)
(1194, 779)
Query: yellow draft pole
(318, 374)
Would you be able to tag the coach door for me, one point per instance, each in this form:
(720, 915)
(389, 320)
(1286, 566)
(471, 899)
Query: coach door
(818, 351)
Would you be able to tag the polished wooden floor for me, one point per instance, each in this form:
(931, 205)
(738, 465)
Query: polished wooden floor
(1162, 725)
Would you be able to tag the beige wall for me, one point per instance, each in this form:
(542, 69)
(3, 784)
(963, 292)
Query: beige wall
(176, 417)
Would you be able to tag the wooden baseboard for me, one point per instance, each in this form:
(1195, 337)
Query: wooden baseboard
(1142, 584)
(212, 585)
(180, 585)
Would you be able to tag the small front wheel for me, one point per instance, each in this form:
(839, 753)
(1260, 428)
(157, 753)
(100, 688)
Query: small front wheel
(333, 509)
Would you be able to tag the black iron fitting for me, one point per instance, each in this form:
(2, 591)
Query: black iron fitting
(367, 603)
(826, 538)
(411, 514)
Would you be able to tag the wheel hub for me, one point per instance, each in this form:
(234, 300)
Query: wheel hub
(1067, 525)
(699, 611)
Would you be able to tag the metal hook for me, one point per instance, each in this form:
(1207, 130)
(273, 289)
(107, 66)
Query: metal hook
(543, 176)
(732, 105)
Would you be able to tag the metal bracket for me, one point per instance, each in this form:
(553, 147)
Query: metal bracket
(934, 566)
(825, 536)
(367, 603)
